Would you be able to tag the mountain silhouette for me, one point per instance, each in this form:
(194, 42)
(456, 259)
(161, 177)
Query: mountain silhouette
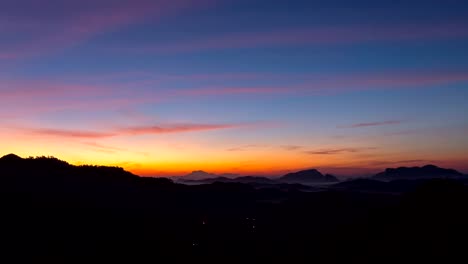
(414, 173)
(311, 176)
(242, 179)
(55, 212)
(46, 174)
(198, 175)
(10, 158)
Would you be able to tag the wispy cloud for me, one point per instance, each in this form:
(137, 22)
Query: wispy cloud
(335, 151)
(325, 35)
(43, 95)
(292, 147)
(52, 26)
(103, 148)
(245, 147)
(69, 133)
(132, 130)
(372, 124)
(419, 161)
(231, 90)
(173, 128)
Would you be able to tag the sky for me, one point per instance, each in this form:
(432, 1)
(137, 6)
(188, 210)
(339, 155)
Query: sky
(264, 87)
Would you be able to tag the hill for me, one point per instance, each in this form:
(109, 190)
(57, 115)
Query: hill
(415, 173)
(55, 212)
(311, 176)
(198, 175)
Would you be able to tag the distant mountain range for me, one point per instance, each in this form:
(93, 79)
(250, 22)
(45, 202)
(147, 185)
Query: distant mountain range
(51, 168)
(416, 173)
(311, 176)
(198, 176)
(306, 177)
(243, 179)
(315, 177)
(52, 208)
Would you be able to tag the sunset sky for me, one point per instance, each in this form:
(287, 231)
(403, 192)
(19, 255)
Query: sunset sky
(164, 87)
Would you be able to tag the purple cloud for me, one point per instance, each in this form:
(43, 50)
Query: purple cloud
(325, 35)
(335, 151)
(292, 147)
(38, 27)
(371, 124)
(132, 130)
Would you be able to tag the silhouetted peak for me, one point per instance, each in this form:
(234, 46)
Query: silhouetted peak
(425, 172)
(310, 171)
(11, 157)
(199, 175)
(308, 176)
(430, 166)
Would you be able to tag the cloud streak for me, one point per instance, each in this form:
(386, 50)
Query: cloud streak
(326, 35)
(373, 124)
(69, 133)
(131, 130)
(336, 151)
(291, 147)
(52, 26)
(173, 128)
(245, 147)
(420, 161)
(53, 95)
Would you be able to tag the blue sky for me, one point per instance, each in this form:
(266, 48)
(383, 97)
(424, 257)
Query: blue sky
(250, 87)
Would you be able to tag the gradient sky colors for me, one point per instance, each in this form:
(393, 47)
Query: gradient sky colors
(164, 87)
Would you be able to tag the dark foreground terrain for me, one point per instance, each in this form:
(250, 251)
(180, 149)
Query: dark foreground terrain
(53, 212)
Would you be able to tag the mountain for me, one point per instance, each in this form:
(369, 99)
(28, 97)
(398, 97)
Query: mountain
(376, 186)
(229, 175)
(254, 179)
(189, 181)
(243, 179)
(415, 173)
(10, 158)
(51, 174)
(52, 210)
(311, 176)
(198, 175)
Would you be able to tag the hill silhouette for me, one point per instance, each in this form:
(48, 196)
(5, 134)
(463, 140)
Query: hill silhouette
(242, 179)
(55, 212)
(414, 173)
(198, 175)
(308, 177)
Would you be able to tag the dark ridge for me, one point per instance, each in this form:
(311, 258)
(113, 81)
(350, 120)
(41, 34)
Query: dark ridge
(414, 173)
(54, 212)
(198, 175)
(377, 186)
(10, 158)
(308, 176)
(243, 179)
(51, 174)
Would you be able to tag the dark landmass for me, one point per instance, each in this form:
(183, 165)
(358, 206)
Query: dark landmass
(311, 176)
(199, 175)
(54, 212)
(415, 173)
(243, 179)
(375, 186)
